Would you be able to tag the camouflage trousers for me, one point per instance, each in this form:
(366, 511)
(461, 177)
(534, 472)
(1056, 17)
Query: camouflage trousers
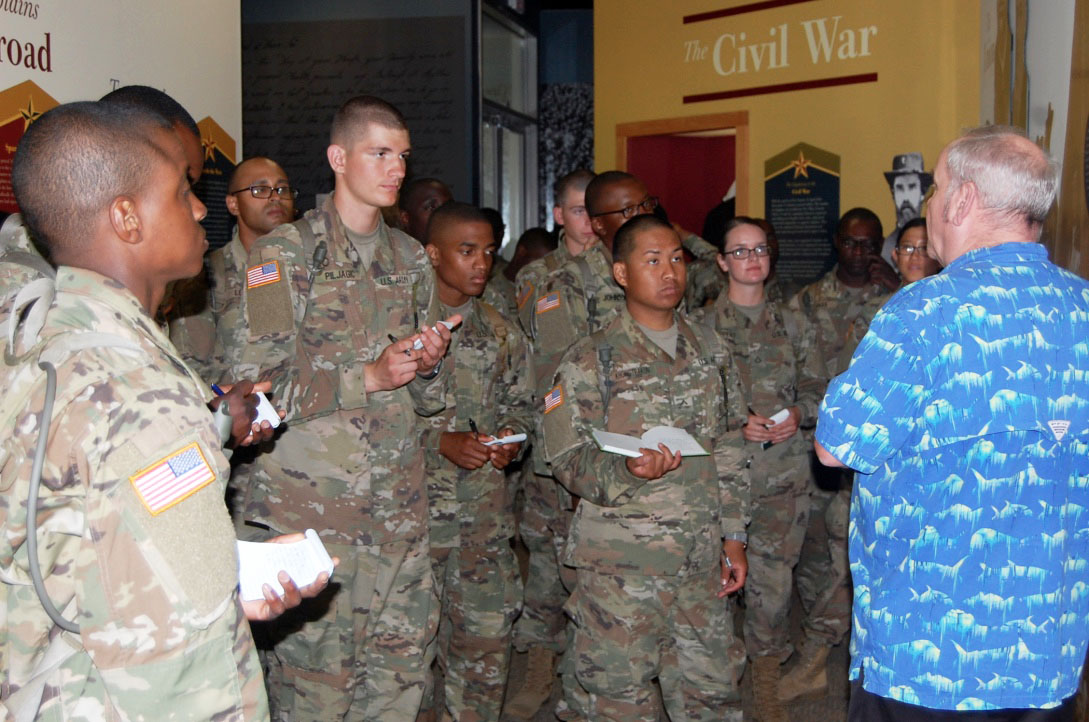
(779, 514)
(360, 650)
(543, 529)
(481, 593)
(631, 630)
(823, 573)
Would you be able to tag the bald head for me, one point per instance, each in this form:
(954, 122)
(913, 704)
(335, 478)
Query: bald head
(75, 160)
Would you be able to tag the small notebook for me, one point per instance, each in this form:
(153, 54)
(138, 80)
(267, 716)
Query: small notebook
(260, 562)
(673, 438)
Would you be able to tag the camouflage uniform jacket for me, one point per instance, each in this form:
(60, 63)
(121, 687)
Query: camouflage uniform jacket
(673, 525)
(705, 280)
(349, 463)
(780, 366)
(499, 293)
(135, 542)
(832, 307)
(205, 316)
(491, 383)
(20, 262)
(532, 276)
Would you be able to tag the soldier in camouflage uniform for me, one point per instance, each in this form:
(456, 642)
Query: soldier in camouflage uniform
(135, 544)
(656, 541)
(21, 262)
(472, 520)
(822, 575)
(540, 628)
(206, 310)
(416, 202)
(780, 368)
(323, 297)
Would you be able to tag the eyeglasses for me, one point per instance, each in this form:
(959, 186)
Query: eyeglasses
(908, 250)
(855, 244)
(267, 191)
(743, 253)
(647, 205)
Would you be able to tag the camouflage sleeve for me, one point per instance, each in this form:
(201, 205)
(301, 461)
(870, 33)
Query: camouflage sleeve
(192, 326)
(559, 320)
(700, 248)
(429, 394)
(517, 385)
(731, 458)
(525, 285)
(812, 375)
(572, 411)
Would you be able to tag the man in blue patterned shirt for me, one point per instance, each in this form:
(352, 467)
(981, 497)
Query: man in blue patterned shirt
(965, 412)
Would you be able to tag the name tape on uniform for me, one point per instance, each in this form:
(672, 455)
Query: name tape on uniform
(553, 399)
(548, 302)
(172, 478)
(263, 274)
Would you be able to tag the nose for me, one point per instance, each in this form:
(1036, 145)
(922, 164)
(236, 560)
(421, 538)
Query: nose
(199, 209)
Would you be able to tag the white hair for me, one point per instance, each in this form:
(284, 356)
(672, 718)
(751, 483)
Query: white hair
(1015, 180)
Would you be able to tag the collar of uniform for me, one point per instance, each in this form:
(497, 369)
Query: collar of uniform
(1002, 253)
(340, 233)
(108, 291)
(233, 251)
(648, 349)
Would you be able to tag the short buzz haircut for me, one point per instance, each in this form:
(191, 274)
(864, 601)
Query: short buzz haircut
(409, 189)
(597, 187)
(624, 241)
(155, 100)
(233, 178)
(913, 223)
(538, 240)
(450, 213)
(1015, 179)
(352, 119)
(737, 222)
(74, 160)
(859, 214)
(575, 180)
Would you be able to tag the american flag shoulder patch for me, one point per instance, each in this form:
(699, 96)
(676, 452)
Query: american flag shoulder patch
(525, 295)
(172, 478)
(262, 274)
(548, 302)
(553, 399)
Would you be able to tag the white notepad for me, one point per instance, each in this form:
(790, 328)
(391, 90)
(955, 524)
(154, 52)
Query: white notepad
(260, 562)
(673, 438)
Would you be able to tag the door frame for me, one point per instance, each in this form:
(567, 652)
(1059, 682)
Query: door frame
(737, 120)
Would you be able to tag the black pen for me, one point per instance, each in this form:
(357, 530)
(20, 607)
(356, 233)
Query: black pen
(393, 339)
(472, 425)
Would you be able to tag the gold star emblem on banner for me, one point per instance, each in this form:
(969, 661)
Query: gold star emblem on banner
(800, 166)
(28, 113)
(209, 148)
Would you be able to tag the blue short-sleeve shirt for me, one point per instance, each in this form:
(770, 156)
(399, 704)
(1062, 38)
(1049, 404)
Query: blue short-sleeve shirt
(965, 412)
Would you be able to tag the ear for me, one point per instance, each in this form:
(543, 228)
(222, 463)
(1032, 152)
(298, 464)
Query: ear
(598, 226)
(432, 254)
(232, 204)
(557, 215)
(125, 219)
(722, 263)
(962, 202)
(403, 217)
(337, 156)
(620, 273)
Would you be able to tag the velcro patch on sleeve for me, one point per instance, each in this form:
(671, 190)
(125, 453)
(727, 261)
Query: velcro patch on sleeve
(554, 399)
(263, 274)
(173, 478)
(548, 302)
(526, 293)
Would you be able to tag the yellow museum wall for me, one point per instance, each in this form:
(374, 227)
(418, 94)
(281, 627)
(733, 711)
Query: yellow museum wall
(926, 55)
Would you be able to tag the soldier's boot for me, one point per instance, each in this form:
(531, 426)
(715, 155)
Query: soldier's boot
(810, 675)
(765, 689)
(536, 688)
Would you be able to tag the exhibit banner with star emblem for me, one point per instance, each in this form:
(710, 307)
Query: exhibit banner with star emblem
(801, 200)
(20, 106)
(219, 163)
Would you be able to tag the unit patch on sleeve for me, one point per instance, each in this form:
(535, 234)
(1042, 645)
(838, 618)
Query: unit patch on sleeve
(263, 274)
(548, 302)
(172, 478)
(553, 399)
